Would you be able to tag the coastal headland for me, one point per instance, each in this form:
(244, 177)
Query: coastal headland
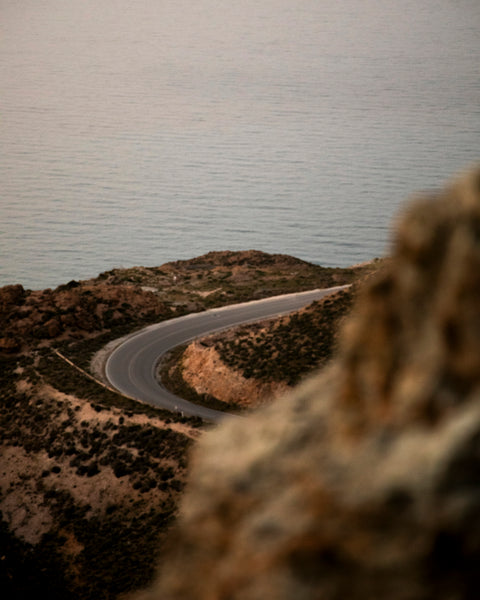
(83, 467)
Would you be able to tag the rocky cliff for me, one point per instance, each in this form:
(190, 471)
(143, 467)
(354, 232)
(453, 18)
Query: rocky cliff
(365, 481)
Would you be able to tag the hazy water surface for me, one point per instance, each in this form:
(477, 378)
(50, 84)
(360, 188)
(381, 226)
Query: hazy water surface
(150, 130)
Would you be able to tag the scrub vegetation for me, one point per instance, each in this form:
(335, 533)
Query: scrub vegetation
(90, 489)
(277, 351)
(289, 348)
(90, 480)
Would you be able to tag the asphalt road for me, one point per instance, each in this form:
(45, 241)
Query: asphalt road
(131, 367)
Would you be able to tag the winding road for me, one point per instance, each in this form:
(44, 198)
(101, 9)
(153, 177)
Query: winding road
(131, 367)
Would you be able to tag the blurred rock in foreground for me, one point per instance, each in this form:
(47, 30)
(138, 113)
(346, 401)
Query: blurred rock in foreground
(365, 481)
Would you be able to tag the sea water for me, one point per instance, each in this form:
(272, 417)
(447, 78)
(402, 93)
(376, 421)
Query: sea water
(139, 132)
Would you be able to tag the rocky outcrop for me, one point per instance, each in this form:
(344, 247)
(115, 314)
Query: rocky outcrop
(365, 481)
(206, 373)
(11, 295)
(72, 311)
(229, 258)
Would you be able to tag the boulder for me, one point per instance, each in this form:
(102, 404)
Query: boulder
(11, 296)
(9, 345)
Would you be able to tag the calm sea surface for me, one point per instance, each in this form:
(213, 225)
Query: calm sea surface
(142, 131)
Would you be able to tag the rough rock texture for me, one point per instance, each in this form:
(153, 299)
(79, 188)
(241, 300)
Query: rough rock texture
(206, 373)
(365, 481)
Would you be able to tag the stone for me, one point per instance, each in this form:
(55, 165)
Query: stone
(8, 344)
(10, 296)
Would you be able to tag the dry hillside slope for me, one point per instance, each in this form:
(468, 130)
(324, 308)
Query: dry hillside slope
(89, 480)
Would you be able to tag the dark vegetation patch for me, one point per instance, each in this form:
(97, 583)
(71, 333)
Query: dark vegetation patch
(63, 377)
(32, 319)
(290, 348)
(45, 424)
(116, 557)
(25, 570)
(117, 544)
(283, 350)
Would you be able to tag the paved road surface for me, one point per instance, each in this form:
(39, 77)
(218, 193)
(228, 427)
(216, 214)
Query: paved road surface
(131, 367)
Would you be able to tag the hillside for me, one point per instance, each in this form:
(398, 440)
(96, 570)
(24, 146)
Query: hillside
(89, 480)
(249, 365)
